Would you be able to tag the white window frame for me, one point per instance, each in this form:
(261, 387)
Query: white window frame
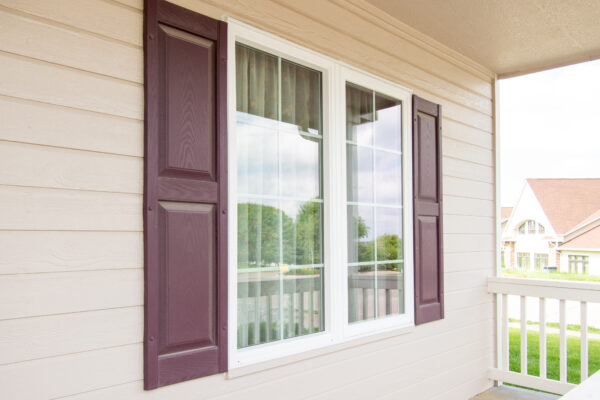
(334, 77)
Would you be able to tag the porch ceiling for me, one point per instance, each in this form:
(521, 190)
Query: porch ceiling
(510, 37)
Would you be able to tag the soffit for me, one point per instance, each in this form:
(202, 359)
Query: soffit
(510, 37)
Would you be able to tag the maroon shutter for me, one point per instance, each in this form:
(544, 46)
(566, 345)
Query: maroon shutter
(427, 193)
(185, 195)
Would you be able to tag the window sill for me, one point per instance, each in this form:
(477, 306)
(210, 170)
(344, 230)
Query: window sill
(266, 365)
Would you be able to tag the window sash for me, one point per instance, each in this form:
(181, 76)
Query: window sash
(334, 76)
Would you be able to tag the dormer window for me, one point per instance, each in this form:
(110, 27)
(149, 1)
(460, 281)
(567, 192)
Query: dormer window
(531, 227)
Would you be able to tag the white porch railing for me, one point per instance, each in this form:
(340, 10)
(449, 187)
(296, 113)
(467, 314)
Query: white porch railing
(581, 292)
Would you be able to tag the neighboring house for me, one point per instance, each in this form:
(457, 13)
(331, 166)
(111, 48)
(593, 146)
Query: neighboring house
(256, 199)
(555, 224)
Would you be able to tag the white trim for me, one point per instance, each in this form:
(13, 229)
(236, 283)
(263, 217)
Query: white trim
(336, 331)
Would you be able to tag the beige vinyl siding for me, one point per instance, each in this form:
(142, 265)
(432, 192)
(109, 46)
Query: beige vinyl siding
(71, 168)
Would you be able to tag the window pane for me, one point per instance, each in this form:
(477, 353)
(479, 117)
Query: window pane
(280, 204)
(300, 97)
(361, 293)
(390, 289)
(388, 183)
(359, 166)
(389, 233)
(257, 158)
(300, 173)
(359, 115)
(374, 181)
(388, 123)
(361, 246)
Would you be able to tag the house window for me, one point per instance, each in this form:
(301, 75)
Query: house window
(578, 264)
(541, 261)
(523, 260)
(531, 227)
(323, 202)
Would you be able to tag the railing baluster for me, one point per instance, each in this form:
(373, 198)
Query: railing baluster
(365, 301)
(301, 314)
(256, 318)
(524, 335)
(505, 344)
(542, 337)
(311, 310)
(291, 323)
(269, 317)
(388, 301)
(584, 341)
(563, 340)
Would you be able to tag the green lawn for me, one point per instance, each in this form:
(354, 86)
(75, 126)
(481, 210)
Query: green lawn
(550, 275)
(552, 355)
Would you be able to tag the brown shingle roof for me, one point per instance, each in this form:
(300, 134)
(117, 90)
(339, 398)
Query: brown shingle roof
(567, 202)
(505, 212)
(589, 240)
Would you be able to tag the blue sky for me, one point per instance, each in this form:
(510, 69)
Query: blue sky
(549, 127)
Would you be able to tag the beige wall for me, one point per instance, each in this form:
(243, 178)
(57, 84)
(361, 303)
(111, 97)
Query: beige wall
(71, 147)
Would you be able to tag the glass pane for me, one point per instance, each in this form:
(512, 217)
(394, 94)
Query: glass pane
(302, 301)
(388, 184)
(256, 82)
(359, 115)
(359, 166)
(388, 123)
(258, 234)
(361, 293)
(389, 233)
(301, 97)
(257, 156)
(258, 306)
(300, 174)
(390, 289)
(280, 205)
(361, 246)
(302, 233)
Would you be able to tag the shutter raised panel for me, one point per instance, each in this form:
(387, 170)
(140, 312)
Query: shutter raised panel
(185, 195)
(427, 209)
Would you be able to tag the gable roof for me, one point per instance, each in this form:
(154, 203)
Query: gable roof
(567, 202)
(588, 240)
(505, 212)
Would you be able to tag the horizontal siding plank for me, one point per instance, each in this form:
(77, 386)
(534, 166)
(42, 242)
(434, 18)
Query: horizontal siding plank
(43, 166)
(48, 42)
(467, 170)
(465, 206)
(358, 28)
(138, 4)
(24, 208)
(462, 280)
(454, 262)
(60, 376)
(462, 243)
(67, 292)
(468, 188)
(25, 339)
(37, 80)
(466, 224)
(467, 152)
(68, 127)
(465, 133)
(26, 252)
(98, 16)
(463, 299)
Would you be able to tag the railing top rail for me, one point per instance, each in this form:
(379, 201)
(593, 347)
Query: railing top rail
(547, 288)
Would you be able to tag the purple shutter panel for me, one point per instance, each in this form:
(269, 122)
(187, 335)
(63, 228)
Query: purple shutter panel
(427, 193)
(185, 195)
